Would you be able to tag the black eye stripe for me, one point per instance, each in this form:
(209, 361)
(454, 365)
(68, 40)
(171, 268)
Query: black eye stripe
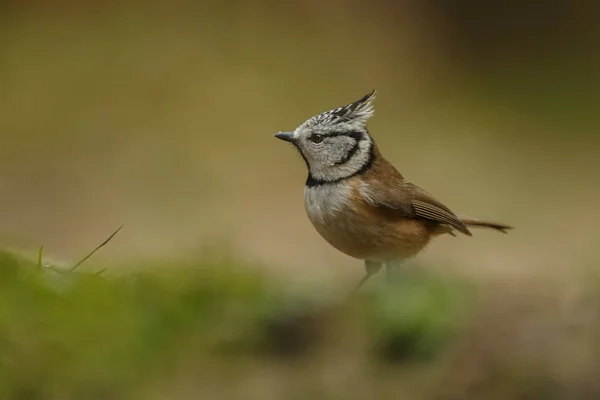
(358, 136)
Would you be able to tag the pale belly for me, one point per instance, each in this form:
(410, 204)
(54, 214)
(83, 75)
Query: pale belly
(359, 233)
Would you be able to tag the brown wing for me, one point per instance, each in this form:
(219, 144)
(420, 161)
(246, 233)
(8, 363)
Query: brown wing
(393, 193)
(427, 207)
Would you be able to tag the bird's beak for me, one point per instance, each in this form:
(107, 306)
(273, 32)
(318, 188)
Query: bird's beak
(287, 136)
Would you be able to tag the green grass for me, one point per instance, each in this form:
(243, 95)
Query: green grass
(72, 334)
(214, 328)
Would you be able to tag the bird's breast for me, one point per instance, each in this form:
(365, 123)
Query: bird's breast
(326, 202)
(348, 223)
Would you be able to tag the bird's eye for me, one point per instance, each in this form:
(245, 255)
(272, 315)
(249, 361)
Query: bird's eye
(315, 138)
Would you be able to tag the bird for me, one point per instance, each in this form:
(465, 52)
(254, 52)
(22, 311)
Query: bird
(358, 201)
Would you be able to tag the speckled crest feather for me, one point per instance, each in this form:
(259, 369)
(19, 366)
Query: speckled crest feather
(359, 111)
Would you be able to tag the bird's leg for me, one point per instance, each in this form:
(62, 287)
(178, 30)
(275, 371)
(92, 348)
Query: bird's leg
(371, 268)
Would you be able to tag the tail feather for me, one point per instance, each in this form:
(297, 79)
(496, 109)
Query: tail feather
(470, 222)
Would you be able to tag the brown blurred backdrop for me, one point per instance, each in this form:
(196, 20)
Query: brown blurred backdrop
(160, 115)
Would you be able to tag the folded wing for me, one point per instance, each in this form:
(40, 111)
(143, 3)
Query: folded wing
(409, 201)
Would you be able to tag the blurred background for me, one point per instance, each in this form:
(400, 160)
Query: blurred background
(160, 116)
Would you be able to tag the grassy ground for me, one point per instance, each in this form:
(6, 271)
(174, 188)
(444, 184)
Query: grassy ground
(221, 329)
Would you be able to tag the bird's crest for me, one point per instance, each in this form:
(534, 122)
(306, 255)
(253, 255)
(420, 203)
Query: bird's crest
(358, 112)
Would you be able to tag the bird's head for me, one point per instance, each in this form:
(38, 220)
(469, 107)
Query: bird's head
(335, 144)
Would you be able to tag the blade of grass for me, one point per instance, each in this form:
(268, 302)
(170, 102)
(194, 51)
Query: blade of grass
(74, 267)
(40, 252)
